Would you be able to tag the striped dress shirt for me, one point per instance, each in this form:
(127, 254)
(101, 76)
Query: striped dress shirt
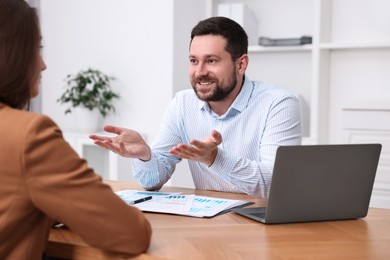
(261, 118)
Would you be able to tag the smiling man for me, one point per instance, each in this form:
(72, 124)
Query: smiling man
(228, 127)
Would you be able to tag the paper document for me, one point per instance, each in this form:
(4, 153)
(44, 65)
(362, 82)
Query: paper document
(191, 205)
(175, 204)
(129, 196)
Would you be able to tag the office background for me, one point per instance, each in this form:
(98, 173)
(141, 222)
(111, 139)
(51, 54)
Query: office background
(342, 78)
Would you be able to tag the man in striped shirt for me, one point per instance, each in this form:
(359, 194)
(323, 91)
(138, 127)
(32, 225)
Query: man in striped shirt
(228, 127)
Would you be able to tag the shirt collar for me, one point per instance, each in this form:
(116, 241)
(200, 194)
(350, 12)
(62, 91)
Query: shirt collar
(241, 101)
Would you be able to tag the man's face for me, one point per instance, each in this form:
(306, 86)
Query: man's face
(212, 72)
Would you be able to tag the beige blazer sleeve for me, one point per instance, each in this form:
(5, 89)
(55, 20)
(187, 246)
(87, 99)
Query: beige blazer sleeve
(63, 187)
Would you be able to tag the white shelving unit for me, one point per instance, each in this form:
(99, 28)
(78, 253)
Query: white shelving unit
(354, 61)
(103, 162)
(320, 19)
(340, 78)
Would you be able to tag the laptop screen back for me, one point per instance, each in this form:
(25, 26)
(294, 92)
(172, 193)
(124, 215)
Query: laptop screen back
(322, 182)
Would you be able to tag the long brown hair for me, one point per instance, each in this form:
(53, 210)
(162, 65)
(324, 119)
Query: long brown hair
(19, 49)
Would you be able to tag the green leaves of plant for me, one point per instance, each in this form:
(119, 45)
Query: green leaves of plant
(91, 89)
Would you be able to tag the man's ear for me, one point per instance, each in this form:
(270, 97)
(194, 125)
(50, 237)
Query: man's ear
(242, 62)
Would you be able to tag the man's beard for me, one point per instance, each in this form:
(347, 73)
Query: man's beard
(220, 91)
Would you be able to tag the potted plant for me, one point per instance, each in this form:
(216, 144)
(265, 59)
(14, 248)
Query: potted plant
(88, 92)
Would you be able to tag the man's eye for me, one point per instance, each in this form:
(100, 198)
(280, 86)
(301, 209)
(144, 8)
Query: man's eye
(193, 61)
(211, 61)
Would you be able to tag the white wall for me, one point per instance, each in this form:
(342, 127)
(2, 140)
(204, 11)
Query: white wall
(130, 40)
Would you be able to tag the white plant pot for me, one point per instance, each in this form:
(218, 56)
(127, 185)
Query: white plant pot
(88, 121)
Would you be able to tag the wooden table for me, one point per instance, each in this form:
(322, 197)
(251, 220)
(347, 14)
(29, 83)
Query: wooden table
(231, 236)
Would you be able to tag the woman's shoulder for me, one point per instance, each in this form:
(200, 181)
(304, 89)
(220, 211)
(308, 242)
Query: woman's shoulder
(22, 119)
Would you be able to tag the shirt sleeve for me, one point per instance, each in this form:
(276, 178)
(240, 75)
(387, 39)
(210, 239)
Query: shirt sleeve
(62, 186)
(283, 127)
(153, 174)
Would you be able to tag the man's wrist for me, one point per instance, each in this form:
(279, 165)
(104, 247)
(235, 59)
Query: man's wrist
(147, 157)
(213, 157)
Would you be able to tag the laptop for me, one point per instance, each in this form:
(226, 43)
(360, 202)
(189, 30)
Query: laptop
(319, 183)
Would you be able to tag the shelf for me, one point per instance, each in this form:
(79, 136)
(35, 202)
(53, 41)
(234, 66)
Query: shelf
(354, 45)
(367, 106)
(255, 49)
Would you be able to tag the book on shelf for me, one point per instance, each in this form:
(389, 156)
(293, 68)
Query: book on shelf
(265, 41)
(181, 204)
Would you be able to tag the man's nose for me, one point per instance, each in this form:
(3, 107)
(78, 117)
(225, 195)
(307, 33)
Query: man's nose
(201, 70)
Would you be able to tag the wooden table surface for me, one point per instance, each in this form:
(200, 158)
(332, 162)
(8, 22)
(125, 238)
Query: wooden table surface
(231, 236)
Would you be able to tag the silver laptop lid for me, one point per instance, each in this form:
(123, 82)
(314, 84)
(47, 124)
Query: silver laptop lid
(322, 182)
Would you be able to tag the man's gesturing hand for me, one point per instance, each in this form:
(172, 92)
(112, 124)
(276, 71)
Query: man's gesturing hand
(127, 143)
(203, 151)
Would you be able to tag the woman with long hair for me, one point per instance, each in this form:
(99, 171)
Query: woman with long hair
(42, 179)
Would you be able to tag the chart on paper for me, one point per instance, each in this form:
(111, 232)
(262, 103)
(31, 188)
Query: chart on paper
(178, 204)
(190, 205)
